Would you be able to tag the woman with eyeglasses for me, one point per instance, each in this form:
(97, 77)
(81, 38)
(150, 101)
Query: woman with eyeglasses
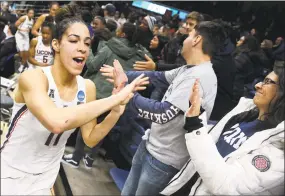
(243, 154)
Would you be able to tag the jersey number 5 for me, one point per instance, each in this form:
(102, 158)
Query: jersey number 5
(45, 60)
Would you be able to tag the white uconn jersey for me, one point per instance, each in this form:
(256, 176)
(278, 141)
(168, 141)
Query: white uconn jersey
(43, 54)
(29, 146)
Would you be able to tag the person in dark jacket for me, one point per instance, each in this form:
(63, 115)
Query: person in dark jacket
(8, 48)
(123, 48)
(250, 61)
(266, 46)
(224, 67)
(279, 50)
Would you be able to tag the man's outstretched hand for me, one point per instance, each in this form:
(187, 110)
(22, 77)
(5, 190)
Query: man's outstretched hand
(147, 65)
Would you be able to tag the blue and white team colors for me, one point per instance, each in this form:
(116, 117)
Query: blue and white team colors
(31, 154)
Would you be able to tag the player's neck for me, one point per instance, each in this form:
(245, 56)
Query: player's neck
(61, 76)
(197, 58)
(46, 44)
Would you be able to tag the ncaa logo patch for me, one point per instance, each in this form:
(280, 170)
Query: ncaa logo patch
(80, 95)
(261, 162)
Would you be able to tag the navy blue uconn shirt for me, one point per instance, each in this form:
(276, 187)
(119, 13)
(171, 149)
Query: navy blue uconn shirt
(232, 139)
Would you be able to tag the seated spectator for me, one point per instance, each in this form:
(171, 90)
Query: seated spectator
(250, 61)
(40, 52)
(245, 149)
(7, 48)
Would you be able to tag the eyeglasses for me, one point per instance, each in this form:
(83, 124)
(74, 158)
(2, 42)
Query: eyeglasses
(268, 81)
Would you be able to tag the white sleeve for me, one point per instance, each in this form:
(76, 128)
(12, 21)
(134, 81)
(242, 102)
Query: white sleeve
(250, 173)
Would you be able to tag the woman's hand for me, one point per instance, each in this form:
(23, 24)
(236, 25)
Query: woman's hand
(195, 101)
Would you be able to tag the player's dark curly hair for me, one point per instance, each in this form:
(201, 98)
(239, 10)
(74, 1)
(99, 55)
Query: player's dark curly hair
(66, 16)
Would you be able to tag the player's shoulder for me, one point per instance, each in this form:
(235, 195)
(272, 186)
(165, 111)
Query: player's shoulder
(33, 77)
(90, 90)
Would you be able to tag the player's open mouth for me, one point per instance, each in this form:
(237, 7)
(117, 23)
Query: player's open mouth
(78, 60)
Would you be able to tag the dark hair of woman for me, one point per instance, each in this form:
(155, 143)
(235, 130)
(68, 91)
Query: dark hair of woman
(276, 112)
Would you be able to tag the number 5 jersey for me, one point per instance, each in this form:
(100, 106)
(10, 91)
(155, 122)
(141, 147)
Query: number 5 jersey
(43, 53)
(29, 146)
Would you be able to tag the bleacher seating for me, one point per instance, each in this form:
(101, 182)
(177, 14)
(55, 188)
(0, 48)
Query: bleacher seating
(119, 176)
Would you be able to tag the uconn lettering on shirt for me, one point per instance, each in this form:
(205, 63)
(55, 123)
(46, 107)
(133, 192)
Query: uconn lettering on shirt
(160, 118)
(44, 52)
(235, 137)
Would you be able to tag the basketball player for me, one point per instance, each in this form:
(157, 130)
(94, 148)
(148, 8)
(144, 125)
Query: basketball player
(40, 52)
(54, 6)
(50, 103)
(24, 25)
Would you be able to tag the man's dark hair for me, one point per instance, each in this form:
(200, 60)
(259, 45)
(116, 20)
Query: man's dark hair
(86, 16)
(13, 29)
(213, 35)
(111, 25)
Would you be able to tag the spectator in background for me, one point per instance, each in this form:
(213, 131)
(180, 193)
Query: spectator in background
(156, 46)
(224, 67)
(54, 6)
(87, 18)
(155, 30)
(5, 13)
(117, 15)
(24, 25)
(101, 34)
(112, 25)
(7, 48)
(132, 18)
(250, 61)
(240, 41)
(122, 19)
(98, 23)
(2, 34)
(279, 50)
(145, 31)
(192, 20)
(109, 13)
(123, 48)
(255, 33)
(266, 46)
